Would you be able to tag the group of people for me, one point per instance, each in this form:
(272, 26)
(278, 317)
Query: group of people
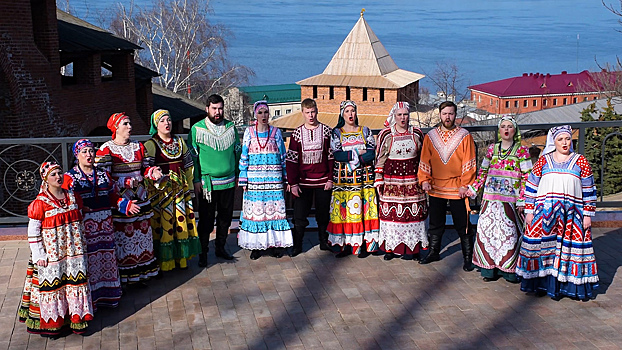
(124, 213)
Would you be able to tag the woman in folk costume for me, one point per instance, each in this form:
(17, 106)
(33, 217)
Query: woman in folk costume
(502, 177)
(402, 207)
(56, 298)
(125, 160)
(95, 188)
(556, 255)
(353, 211)
(175, 237)
(263, 223)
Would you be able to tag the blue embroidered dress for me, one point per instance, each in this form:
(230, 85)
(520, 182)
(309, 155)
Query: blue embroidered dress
(263, 222)
(556, 255)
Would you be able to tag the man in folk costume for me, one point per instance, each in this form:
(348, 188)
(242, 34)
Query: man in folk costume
(309, 174)
(447, 167)
(216, 152)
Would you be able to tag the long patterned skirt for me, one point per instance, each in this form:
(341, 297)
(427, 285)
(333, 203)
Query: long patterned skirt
(264, 223)
(134, 242)
(102, 259)
(175, 236)
(556, 255)
(53, 305)
(402, 209)
(354, 209)
(498, 240)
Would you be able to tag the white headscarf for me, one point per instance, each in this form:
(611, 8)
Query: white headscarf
(552, 135)
(390, 122)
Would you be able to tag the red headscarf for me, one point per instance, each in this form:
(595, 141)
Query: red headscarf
(113, 122)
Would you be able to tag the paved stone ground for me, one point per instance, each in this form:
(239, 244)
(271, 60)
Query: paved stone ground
(317, 301)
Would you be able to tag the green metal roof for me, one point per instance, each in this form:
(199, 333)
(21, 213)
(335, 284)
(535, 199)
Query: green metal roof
(281, 93)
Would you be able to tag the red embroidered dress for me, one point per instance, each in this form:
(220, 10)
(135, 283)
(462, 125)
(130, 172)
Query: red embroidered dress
(402, 207)
(127, 165)
(58, 295)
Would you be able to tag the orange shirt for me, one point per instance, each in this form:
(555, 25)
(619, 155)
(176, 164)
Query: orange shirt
(447, 161)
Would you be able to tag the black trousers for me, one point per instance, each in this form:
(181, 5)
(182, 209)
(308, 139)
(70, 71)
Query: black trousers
(222, 202)
(302, 208)
(437, 211)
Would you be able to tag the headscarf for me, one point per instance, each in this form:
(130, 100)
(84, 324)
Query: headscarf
(517, 135)
(552, 135)
(342, 107)
(79, 145)
(155, 119)
(390, 122)
(259, 105)
(114, 121)
(45, 170)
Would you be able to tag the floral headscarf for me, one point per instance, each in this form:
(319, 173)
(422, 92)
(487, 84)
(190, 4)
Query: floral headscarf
(79, 145)
(259, 105)
(552, 135)
(342, 107)
(155, 119)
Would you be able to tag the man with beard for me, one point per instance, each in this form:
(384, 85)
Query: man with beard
(216, 152)
(447, 167)
(309, 174)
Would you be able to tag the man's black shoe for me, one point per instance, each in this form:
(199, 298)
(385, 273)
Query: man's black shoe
(295, 252)
(430, 258)
(222, 253)
(202, 260)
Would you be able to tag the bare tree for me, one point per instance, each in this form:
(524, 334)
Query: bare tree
(181, 44)
(449, 82)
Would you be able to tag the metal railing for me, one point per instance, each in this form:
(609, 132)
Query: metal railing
(20, 159)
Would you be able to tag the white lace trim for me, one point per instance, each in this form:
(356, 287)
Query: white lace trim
(265, 240)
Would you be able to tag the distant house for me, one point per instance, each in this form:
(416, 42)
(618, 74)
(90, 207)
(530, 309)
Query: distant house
(363, 71)
(282, 99)
(534, 91)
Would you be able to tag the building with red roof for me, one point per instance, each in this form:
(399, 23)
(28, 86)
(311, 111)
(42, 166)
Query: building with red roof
(535, 91)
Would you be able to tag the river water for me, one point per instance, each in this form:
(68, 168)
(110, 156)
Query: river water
(287, 40)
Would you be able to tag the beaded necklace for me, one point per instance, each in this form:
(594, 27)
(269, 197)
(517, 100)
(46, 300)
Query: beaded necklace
(171, 149)
(259, 140)
(507, 151)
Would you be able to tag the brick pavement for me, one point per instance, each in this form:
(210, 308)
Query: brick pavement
(315, 301)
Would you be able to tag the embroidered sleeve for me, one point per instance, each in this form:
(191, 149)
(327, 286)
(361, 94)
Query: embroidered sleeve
(278, 137)
(531, 187)
(469, 162)
(328, 151)
(150, 152)
(237, 148)
(370, 144)
(148, 165)
(187, 163)
(425, 170)
(525, 167)
(293, 159)
(194, 152)
(243, 181)
(483, 170)
(36, 214)
(384, 144)
(335, 145)
(103, 158)
(588, 188)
